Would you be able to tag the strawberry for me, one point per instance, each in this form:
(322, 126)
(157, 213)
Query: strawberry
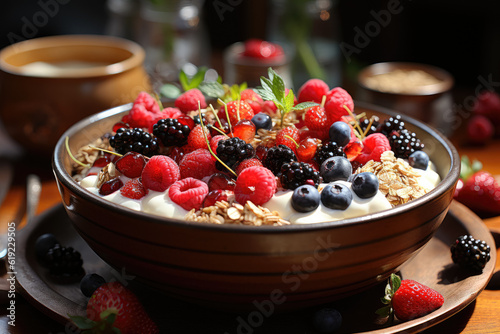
(409, 299)
(113, 300)
(236, 110)
(288, 136)
(480, 130)
(481, 194)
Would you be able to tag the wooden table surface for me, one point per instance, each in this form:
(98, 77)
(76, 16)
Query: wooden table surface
(481, 316)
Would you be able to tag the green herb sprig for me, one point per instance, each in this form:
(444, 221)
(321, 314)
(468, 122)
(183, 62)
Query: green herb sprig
(273, 89)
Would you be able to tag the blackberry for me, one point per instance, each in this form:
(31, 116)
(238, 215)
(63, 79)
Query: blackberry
(404, 143)
(277, 156)
(470, 253)
(389, 125)
(134, 140)
(329, 150)
(373, 128)
(232, 151)
(64, 261)
(294, 174)
(171, 132)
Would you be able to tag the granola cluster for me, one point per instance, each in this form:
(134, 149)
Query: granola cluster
(233, 213)
(397, 179)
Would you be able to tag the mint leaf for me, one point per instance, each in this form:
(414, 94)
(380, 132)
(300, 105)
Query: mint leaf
(198, 78)
(212, 89)
(289, 100)
(170, 91)
(278, 86)
(305, 105)
(183, 79)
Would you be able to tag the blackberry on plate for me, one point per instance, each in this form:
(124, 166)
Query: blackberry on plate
(405, 143)
(232, 151)
(294, 174)
(470, 253)
(391, 124)
(134, 140)
(329, 150)
(171, 132)
(277, 156)
(64, 261)
(42, 245)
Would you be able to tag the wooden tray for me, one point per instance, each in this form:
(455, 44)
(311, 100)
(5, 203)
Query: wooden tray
(432, 266)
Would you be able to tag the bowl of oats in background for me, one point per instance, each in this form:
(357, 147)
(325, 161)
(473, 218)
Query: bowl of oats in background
(418, 90)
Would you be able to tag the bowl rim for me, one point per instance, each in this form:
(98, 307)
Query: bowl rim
(448, 181)
(386, 67)
(136, 58)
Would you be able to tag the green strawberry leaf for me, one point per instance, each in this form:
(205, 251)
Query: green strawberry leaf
(193, 82)
(170, 91)
(384, 311)
(82, 322)
(289, 100)
(395, 282)
(467, 168)
(184, 80)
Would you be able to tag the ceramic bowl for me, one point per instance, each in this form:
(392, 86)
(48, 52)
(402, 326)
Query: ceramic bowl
(245, 267)
(431, 103)
(48, 84)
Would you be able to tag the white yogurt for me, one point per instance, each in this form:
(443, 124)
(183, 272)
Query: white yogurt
(281, 202)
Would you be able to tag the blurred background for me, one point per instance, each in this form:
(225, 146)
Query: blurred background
(461, 37)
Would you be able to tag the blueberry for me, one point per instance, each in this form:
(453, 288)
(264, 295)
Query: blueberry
(336, 168)
(262, 121)
(327, 320)
(419, 159)
(90, 283)
(305, 198)
(336, 196)
(43, 244)
(340, 132)
(365, 185)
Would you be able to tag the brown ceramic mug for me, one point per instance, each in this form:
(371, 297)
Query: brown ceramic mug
(48, 84)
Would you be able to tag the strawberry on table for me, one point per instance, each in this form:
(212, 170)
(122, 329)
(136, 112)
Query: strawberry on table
(112, 306)
(408, 299)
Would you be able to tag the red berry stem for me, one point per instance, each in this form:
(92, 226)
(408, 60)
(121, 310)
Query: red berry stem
(203, 127)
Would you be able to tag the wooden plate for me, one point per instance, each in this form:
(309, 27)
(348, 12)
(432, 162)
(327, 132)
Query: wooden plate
(432, 266)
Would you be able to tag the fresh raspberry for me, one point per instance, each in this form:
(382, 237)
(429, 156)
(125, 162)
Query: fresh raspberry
(197, 164)
(160, 173)
(256, 184)
(257, 48)
(488, 105)
(189, 193)
(133, 189)
(313, 90)
(131, 164)
(336, 99)
(196, 139)
(479, 130)
(233, 108)
(244, 130)
(283, 134)
(315, 118)
(373, 147)
(246, 164)
(144, 111)
(188, 101)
